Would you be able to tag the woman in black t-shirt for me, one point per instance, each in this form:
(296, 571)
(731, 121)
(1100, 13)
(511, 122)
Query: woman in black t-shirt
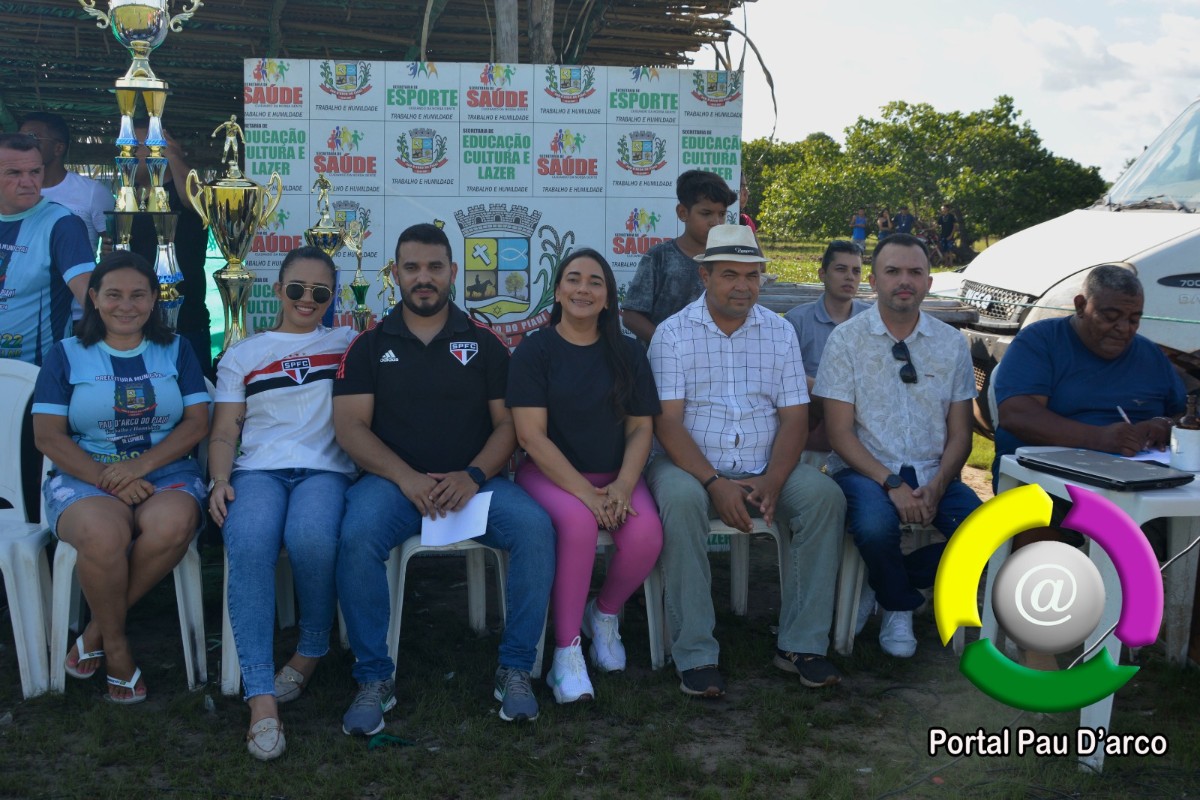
(582, 397)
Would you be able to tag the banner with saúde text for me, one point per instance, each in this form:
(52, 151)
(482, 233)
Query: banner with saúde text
(519, 163)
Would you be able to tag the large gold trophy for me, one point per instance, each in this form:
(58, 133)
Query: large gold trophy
(234, 207)
(140, 26)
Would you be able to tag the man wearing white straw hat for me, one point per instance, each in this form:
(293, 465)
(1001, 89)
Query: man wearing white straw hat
(733, 424)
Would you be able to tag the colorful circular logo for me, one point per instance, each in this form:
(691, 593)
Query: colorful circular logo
(1026, 508)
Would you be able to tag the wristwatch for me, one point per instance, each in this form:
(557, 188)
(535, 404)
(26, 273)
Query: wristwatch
(476, 475)
(892, 481)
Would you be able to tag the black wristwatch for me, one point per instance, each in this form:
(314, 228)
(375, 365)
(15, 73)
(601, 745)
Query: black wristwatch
(476, 475)
(892, 481)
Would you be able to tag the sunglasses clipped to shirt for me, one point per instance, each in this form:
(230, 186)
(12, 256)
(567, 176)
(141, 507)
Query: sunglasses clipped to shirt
(295, 290)
(908, 373)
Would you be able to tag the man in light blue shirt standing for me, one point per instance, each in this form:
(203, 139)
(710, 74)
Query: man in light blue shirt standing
(45, 258)
(841, 274)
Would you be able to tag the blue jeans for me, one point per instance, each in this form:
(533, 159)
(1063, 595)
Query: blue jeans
(300, 509)
(379, 518)
(872, 520)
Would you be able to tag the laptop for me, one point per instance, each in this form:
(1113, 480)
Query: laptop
(1109, 471)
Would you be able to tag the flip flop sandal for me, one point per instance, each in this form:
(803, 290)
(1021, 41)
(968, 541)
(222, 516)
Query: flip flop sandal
(73, 669)
(289, 683)
(131, 685)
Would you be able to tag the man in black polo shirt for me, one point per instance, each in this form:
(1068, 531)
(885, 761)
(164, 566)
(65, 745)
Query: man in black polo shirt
(419, 405)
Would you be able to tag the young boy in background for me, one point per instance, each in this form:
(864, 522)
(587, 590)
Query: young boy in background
(667, 278)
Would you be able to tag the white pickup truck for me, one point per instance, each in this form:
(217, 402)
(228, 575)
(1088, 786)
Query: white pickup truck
(1150, 220)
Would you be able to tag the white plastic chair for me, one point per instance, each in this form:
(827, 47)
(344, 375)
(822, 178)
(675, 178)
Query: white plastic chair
(655, 618)
(285, 612)
(739, 575)
(397, 567)
(22, 543)
(739, 557)
(851, 574)
(188, 596)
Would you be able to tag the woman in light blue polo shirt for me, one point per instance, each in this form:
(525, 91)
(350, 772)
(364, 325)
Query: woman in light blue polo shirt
(118, 409)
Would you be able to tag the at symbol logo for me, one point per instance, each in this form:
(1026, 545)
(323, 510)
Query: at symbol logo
(1047, 596)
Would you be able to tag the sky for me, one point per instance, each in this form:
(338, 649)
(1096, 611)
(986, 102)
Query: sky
(1097, 79)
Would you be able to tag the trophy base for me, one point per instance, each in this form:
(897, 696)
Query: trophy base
(361, 318)
(234, 282)
(120, 227)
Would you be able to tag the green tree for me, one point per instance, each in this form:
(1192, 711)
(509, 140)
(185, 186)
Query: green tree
(989, 165)
(762, 156)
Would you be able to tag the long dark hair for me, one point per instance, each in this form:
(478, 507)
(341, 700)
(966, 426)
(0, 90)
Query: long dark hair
(91, 328)
(616, 352)
(311, 253)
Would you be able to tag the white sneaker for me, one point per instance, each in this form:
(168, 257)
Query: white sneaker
(568, 675)
(606, 651)
(866, 607)
(896, 634)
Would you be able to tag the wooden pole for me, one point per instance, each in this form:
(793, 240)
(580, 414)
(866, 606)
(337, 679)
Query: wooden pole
(541, 32)
(506, 31)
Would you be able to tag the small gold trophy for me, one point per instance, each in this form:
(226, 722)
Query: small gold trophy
(326, 234)
(359, 286)
(389, 285)
(234, 207)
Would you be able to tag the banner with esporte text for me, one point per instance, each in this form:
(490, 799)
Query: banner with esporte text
(519, 163)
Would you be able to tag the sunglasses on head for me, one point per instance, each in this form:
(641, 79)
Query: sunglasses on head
(295, 290)
(908, 373)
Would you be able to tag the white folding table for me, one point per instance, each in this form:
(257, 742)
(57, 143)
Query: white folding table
(1179, 505)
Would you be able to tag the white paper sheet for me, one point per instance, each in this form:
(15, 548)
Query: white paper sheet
(457, 526)
(1163, 456)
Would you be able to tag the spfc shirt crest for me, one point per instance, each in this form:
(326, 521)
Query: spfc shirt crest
(297, 368)
(464, 351)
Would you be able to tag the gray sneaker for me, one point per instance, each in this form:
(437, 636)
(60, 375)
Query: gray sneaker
(515, 693)
(365, 715)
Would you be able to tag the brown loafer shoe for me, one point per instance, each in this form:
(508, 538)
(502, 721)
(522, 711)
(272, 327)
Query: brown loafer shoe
(289, 684)
(265, 739)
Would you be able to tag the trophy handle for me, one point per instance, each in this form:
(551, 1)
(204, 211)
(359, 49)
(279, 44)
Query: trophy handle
(270, 202)
(90, 7)
(177, 21)
(195, 194)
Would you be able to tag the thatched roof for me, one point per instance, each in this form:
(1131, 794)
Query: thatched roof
(56, 59)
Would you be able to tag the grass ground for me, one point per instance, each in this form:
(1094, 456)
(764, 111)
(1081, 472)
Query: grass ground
(797, 262)
(769, 737)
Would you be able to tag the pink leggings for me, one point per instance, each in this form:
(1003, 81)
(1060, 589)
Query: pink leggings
(638, 542)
